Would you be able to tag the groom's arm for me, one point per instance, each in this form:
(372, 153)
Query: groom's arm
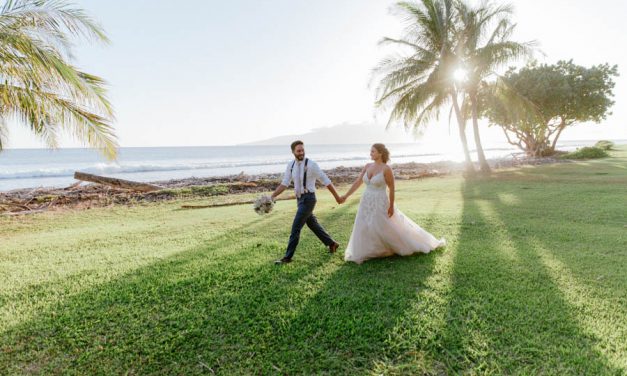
(287, 178)
(327, 182)
(278, 191)
(331, 189)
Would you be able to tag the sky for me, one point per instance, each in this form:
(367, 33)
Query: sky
(229, 72)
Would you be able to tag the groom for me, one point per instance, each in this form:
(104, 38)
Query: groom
(304, 172)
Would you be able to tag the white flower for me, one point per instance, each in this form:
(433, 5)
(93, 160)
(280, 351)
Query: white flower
(263, 205)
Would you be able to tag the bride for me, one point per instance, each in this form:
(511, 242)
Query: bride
(380, 229)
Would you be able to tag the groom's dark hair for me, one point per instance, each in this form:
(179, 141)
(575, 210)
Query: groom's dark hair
(295, 144)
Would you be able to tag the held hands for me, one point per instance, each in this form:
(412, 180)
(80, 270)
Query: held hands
(341, 199)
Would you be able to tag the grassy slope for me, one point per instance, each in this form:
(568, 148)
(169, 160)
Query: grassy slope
(534, 280)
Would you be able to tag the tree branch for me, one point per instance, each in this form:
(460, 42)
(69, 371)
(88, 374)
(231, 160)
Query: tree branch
(561, 128)
(511, 142)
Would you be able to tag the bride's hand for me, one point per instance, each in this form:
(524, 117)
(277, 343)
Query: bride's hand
(390, 211)
(342, 199)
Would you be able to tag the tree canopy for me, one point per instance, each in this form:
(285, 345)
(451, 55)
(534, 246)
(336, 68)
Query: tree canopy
(545, 99)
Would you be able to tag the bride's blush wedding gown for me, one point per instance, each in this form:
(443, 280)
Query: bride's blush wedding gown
(377, 235)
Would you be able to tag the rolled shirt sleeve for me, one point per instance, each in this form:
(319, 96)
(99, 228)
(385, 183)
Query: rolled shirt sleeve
(321, 175)
(287, 177)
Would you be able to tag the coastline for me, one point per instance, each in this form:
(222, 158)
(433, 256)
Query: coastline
(86, 196)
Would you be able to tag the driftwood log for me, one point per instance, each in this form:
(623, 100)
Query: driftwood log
(119, 183)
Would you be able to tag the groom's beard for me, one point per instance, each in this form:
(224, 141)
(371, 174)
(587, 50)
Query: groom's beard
(300, 157)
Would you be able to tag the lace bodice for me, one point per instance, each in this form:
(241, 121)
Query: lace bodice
(374, 200)
(377, 182)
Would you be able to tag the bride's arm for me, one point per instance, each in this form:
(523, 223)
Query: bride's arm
(356, 183)
(389, 180)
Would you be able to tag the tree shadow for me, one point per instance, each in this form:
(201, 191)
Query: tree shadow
(34, 294)
(223, 307)
(576, 232)
(204, 309)
(344, 327)
(506, 315)
(122, 323)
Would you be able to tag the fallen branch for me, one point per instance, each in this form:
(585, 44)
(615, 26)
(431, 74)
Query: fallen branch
(25, 212)
(230, 203)
(120, 183)
(73, 186)
(16, 205)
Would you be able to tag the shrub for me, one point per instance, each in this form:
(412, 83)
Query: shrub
(202, 190)
(604, 144)
(586, 153)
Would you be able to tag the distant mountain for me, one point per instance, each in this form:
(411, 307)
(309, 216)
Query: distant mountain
(364, 133)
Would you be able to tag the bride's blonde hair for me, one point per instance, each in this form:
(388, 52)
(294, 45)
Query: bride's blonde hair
(385, 153)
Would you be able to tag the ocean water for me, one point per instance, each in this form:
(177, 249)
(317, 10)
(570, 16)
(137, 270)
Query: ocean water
(26, 168)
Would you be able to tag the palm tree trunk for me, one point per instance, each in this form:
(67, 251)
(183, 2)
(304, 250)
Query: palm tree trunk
(461, 125)
(483, 163)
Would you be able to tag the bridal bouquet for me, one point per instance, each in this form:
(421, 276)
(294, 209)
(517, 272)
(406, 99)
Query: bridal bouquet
(263, 205)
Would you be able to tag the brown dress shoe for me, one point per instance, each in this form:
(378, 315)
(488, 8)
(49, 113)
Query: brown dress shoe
(333, 247)
(284, 260)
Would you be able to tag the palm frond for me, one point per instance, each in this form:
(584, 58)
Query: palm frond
(496, 55)
(416, 49)
(400, 73)
(418, 85)
(47, 114)
(53, 17)
(509, 102)
(39, 86)
(428, 22)
(420, 103)
(431, 111)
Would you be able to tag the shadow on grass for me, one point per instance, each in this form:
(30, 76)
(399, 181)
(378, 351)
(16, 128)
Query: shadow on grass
(343, 325)
(577, 238)
(506, 315)
(223, 307)
(120, 326)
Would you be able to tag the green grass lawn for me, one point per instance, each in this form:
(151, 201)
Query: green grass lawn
(533, 281)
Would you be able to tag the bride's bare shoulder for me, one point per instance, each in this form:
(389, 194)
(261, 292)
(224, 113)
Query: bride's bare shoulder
(364, 170)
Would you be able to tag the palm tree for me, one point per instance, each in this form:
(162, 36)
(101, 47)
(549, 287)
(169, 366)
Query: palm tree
(39, 87)
(420, 84)
(483, 46)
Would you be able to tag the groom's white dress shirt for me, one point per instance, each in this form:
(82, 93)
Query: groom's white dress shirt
(297, 173)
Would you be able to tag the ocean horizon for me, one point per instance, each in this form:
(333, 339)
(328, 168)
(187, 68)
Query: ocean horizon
(31, 168)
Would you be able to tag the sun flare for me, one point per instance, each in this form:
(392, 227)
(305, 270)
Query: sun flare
(460, 75)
